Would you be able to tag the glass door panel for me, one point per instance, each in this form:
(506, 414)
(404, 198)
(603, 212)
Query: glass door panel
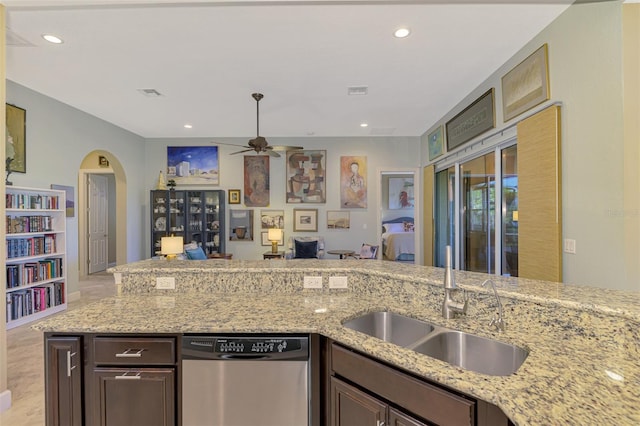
(510, 211)
(478, 214)
(444, 213)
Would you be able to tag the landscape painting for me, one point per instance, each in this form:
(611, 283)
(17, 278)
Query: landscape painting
(193, 165)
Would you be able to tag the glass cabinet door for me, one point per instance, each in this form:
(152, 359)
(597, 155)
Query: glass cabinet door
(213, 221)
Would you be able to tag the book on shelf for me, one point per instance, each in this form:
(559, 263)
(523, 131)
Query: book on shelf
(26, 224)
(29, 301)
(32, 201)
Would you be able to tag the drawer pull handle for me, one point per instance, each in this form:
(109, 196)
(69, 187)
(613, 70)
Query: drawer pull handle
(69, 367)
(131, 353)
(125, 377)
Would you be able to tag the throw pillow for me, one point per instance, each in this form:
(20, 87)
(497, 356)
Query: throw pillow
(196, 254)
(306, 249)
(393, 227)
(408, 226)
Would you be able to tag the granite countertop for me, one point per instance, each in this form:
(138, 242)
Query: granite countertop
(583, 362)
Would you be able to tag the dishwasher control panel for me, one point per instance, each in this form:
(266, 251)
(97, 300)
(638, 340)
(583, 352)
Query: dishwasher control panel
(251, 347)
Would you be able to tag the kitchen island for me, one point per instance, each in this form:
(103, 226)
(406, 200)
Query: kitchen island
(583, 342)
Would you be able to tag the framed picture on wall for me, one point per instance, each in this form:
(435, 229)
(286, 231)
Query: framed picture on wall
(526, 85)
(241, 225)
(401, 194)
(16, 143)
(306, 176)
(234, 196)
(272, 219)
(256, 180)
(338, 219)
(193, 165)
(305, 220)
(264, 236)
(436, 143)
(353, 182)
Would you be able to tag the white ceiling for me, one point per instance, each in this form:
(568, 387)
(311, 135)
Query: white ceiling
(206, 58)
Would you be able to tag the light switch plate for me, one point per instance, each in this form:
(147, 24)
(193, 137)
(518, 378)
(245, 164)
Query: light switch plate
(569, 246)
(117, 277)
(337, 282)
(312, 282)
(165, 283)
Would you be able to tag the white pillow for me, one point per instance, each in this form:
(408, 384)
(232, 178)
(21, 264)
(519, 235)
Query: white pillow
(393, 227)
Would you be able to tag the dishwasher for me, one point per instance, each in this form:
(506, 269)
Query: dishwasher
(248, 380)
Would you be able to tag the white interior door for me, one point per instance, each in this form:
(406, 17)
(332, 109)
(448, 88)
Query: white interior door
(98, 223)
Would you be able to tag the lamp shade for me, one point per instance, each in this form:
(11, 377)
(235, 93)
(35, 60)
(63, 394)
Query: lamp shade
(171, 245)
(275, 234)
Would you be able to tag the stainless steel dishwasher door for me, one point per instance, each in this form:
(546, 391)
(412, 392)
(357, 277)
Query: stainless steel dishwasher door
(236, 389)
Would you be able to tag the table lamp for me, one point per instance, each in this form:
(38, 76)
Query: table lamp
(171, 246)
(275, 235)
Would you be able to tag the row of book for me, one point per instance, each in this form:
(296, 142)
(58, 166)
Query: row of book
(32, 201)
(33, 272)
(32, 300)
(24, 224)
(33, 246)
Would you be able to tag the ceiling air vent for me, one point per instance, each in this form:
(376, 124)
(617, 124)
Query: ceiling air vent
(150, 93)
(357, 90)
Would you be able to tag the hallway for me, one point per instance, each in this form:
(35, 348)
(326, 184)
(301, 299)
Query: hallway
(26, 359)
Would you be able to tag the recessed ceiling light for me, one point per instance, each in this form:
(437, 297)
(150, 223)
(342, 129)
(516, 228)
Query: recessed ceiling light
(188, 126)
(52, 39)
(364, 125)
(402, 32)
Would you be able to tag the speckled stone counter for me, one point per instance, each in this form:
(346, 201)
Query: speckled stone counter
(583, 367)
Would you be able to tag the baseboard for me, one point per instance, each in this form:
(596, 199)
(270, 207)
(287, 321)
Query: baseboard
(73, 297)
(5, 400)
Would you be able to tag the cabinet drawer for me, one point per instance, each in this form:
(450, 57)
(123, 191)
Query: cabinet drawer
(423, 399)
(134, 351)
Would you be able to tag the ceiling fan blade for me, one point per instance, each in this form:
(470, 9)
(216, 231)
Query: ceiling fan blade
(286, 148)
(271, 153)
(240, 152)
(230, 144)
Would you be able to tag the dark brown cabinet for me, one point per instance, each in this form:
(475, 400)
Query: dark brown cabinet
(134, 381)
(63, 381)
(353, 407)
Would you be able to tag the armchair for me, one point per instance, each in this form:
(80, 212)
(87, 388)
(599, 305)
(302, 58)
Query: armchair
(305, 248)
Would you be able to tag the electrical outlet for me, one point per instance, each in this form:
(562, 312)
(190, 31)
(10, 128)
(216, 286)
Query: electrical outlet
(312, 282)
(337, 282)
(117, 277)
(165, 283)
(569, 246)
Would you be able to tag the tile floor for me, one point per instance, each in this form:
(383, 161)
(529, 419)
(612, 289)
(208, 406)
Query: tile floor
(26, 359)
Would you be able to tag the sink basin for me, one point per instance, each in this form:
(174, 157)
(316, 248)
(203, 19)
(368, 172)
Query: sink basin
(391, 327)
(464, 350)
(473, 352)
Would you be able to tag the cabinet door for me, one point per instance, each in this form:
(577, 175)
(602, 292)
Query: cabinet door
(396, 418)
(352, 407)
(135, 397)
(63, 381)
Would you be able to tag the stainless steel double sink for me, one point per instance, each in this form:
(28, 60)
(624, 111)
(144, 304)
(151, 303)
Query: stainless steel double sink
(464, 350)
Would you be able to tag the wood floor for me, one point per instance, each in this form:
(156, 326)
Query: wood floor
(25, 367)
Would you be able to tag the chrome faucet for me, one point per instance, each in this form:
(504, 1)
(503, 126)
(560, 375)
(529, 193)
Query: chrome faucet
(496, 321)
(451, 308)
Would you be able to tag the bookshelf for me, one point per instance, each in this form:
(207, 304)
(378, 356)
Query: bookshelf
(194, 215)
(35, 224)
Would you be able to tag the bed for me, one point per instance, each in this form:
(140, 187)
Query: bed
(398, 239)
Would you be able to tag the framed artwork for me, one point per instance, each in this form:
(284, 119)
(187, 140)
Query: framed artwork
(526, 85)
(240, 225)
(353, 182)
(305, 220)
(234, 196)
(256, 180)
(436, 143)
(306, 176)
(401, 193)
(272, 219)
(338, 219)
(265, 239)
(16, 143)
(69, 200)
(472, 121)
(193, 165)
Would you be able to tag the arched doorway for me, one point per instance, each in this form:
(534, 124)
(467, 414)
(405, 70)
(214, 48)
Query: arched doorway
(102, 166)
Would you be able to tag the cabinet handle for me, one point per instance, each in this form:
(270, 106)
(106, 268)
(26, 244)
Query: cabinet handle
(69, 367)
(129, 353)
(125, 377)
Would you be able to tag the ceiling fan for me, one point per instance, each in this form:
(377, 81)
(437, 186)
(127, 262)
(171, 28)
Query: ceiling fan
(260, 144)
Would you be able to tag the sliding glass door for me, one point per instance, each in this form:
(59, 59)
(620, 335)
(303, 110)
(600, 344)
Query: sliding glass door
(479, 215)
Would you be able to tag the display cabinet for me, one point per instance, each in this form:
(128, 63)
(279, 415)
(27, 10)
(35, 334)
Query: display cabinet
(197, 216)
(36, 261)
